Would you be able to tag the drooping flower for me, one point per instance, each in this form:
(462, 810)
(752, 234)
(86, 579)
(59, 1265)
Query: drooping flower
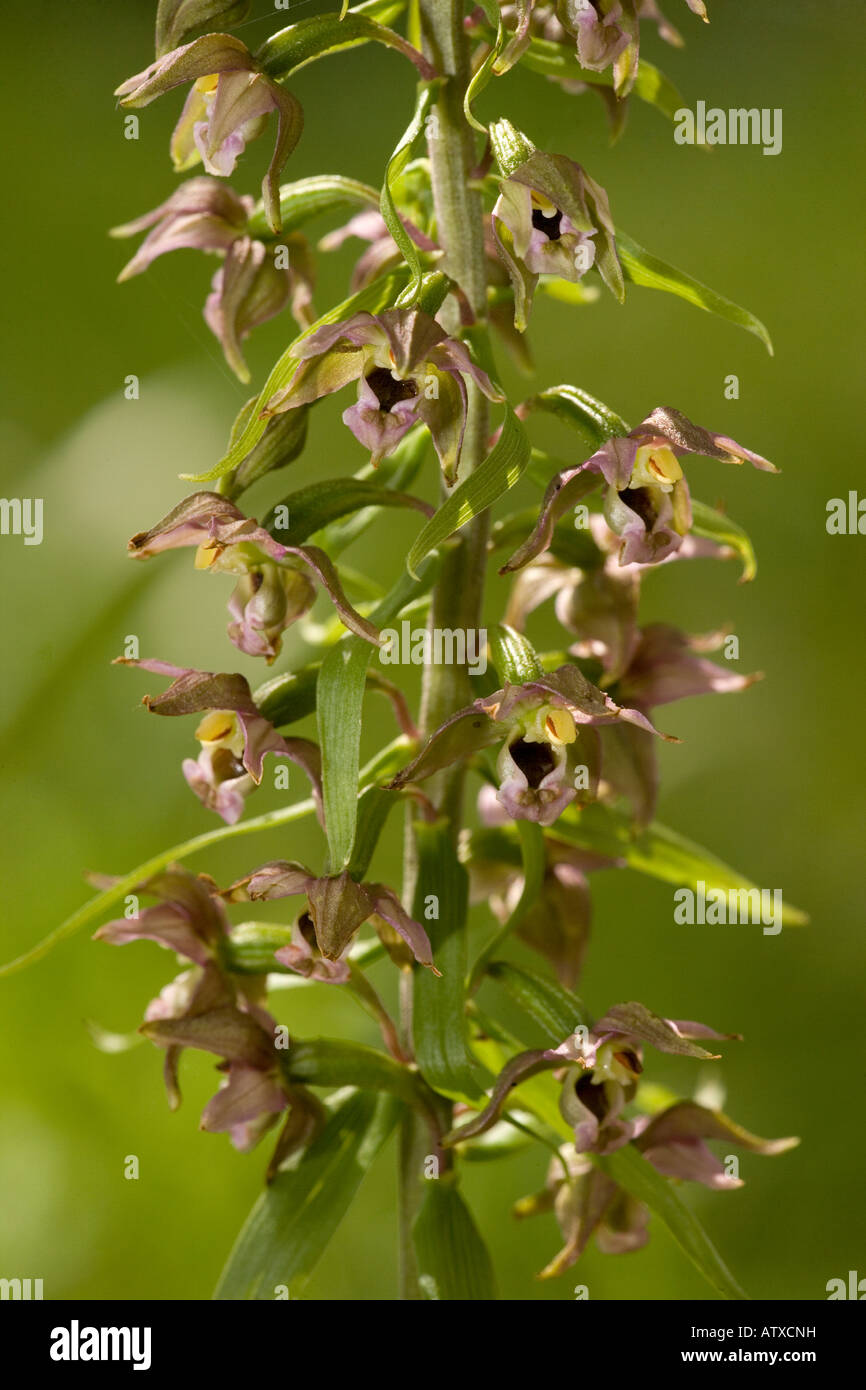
(338, 905)
(203, 215)
(667, 665)
(255, 281)
(408, 371)
(601, 1066)
(598, 604)
(610, 1061)
(228, 105)
(551, 218)
(382, 251)
(205, 1007)
(664, 665)
(674, 1142)
(234, 736)
(248, 289)
(608, 33)
(647, 502)
(586, 1203)
(189, 917)
(548, 731)
(274, 586)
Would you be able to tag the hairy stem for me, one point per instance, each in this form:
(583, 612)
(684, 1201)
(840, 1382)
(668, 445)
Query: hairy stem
(458, 596)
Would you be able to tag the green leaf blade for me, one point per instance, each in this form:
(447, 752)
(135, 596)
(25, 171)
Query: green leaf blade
(499, 472)
(292, 1223)
(340, 690)
(439, 1020)
(660, 853)
(631, 1170)
(643, 268)
(453, 1261)
(305, 199)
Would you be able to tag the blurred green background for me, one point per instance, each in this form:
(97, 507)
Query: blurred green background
(771, 779)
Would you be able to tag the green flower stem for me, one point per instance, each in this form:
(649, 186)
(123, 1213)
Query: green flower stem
(458, 595)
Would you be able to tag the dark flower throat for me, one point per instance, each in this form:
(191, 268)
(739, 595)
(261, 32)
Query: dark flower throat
(548, 225)
(535, 760)
(388, 390)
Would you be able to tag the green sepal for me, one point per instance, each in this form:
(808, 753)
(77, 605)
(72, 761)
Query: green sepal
(513, 655)
(511, 147)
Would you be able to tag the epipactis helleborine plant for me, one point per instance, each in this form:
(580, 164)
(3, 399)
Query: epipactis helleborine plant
(519, 783)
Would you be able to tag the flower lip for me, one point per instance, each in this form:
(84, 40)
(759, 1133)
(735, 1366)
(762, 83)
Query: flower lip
(639, 500)
(548, 223)
(535, 760)
(389, 389)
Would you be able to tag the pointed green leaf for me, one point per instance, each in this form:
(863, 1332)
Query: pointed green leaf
(499, 472)
(643, 268)
(340, 693)
(633, 1172)
(374, 807)
(305, 199)
(293, 1221)
(715, 526)
(658, 852)
(427, 95)
(553, 1008)
(453, 1261)
(314, 38)
(439, 1020)
(320, 503)
(97, 907)
(533, 862)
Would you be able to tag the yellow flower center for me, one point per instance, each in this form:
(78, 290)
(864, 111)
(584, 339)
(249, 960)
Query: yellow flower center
(216, 727)
(559, 726)
(205, 555)
(656, 466)
(546, 208)
(207, 84)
